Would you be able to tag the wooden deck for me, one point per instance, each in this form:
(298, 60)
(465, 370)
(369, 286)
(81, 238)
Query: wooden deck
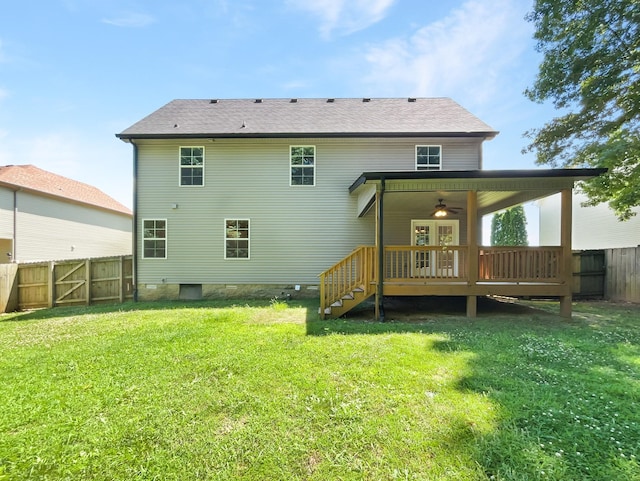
(444, 271)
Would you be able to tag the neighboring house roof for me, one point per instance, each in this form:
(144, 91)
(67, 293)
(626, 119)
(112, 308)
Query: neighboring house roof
(32, 178)
(309, 117)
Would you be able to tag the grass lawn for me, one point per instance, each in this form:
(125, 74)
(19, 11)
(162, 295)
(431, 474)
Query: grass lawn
(266, 391)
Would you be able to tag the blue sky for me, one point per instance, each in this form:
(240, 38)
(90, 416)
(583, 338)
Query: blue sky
(75, 72)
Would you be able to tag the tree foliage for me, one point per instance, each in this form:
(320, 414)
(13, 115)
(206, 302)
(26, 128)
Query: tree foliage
(509, 228)
(591, 72)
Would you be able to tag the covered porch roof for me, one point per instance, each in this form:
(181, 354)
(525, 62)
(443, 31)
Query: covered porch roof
(497, 189)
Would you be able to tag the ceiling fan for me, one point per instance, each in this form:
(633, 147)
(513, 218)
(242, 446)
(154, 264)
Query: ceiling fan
(441, 209)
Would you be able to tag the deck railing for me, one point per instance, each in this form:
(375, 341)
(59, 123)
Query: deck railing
(520, 264)
(424, 265)
(428, 263)
(356, 271)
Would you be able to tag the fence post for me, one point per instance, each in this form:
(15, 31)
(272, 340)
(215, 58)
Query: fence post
(121, 280)
(51, 285)
(8, 287)
(87, 267)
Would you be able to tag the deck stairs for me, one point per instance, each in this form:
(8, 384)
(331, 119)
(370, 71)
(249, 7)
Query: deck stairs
(347, 302)
(348, 283)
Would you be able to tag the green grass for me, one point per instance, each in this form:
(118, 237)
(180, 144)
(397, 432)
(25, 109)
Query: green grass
(266, 391)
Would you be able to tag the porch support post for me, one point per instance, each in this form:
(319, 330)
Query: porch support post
(473, 251)
(567, 261)
(379, 308)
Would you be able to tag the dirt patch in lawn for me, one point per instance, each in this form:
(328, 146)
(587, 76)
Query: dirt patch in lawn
(419, 308)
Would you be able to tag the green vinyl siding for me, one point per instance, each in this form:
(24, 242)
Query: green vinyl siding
(296, 233)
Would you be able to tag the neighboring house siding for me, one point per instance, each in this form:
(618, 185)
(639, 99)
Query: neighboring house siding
(549, 221)
(6, 213)
(50, 229)
(295, 232)
(593, 227)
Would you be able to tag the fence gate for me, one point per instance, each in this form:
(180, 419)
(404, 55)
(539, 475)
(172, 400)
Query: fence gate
(71, 280)
(79, 281)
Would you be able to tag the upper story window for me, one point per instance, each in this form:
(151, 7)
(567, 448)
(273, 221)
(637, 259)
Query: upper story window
(236, 238)
(303, 164)
(154, 239)
(428, 157)
(191, 166)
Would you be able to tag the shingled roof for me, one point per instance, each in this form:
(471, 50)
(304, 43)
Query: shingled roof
(30, 177)
(392, 117)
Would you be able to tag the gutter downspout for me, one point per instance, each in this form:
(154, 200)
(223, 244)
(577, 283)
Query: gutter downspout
(380, 293)
(134, 231)
(15, 226)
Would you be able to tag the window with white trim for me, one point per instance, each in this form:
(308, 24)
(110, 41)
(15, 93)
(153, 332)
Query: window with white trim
(154, 239)
(191, 166)
(236, 239)
(303, 165)
(428, 157)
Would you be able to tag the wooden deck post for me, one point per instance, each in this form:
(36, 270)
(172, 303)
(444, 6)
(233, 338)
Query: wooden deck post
(472, 242)
(379, 309)
(567, 260)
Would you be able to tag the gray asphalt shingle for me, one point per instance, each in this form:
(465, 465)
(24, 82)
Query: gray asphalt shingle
(283, 117)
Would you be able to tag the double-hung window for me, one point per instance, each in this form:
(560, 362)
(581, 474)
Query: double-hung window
(303, 165)
(154, 239)
(236, 239)
(428, 157)
(191, 166)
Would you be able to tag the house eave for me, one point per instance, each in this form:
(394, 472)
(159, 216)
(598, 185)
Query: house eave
(571, 175)
(486, 135)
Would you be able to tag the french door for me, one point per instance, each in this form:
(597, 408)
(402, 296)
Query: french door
(434, 262)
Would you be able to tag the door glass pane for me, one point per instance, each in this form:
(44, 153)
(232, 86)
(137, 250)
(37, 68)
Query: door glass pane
(422, 235)
(445, 238)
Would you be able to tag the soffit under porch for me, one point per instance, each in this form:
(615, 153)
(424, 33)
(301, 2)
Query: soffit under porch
(502, 190)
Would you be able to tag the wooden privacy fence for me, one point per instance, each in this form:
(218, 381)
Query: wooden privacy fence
(589, 271)
(622, 281)
(74, 282)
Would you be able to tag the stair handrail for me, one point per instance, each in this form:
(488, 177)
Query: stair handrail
(356, 270)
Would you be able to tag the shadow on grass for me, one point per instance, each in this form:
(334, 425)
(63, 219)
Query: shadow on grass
(409, 314)
(311, 307)
(567, 392)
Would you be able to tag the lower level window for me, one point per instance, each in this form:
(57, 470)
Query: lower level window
(154, 239)
(236, 233)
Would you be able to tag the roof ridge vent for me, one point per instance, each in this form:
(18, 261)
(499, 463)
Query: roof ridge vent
(411, 99)
(294, 101)
(213, 101)
(331, 100)
(258, 101)
(366, 100)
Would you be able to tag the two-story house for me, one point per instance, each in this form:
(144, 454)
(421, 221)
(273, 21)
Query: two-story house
(341, 198)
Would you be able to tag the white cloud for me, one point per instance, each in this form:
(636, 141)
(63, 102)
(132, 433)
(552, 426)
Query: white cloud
(344, 16)
(462, 55)
(130, 20)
